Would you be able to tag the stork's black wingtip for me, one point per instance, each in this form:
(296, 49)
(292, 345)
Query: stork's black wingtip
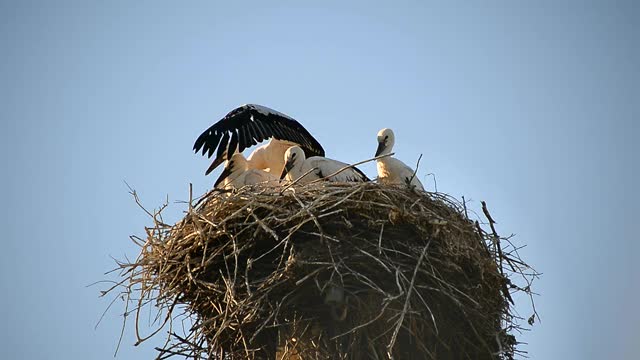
(197, 145)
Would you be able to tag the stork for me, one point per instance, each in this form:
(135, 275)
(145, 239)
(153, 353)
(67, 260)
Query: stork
(297, 165)
(249, 125)
(236, 174)
(392, 171)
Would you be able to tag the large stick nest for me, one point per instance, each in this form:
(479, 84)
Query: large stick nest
(328, 271)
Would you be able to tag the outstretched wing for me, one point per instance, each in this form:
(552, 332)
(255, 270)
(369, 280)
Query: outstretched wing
(249, 125)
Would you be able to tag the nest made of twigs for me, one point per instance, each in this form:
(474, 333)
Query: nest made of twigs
(329, 271)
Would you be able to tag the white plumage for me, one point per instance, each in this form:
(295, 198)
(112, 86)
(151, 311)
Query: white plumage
(392, 171)
(269, 157)
(296, 165)
(237, 174)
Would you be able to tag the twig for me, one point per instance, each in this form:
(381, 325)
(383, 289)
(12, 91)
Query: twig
(294, 182)
(350, 167)
(406, 302)
(464, 204)
(496, 241)
(415, 171)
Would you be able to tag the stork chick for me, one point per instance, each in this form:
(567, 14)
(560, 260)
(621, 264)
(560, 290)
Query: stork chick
(392, 171)
(237, 174)
(297, 165)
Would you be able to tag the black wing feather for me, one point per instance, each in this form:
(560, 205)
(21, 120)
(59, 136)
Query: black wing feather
(214, 140)
(209, 137)
(295, 136)
(285, 133)
(222, 148)
(275, 131)
(248, 125)
(212, 148)
(243, 141)
(308, 153)
(233, 144)
(261, 130)
(254, 134)
(364, 177)
(245, 138)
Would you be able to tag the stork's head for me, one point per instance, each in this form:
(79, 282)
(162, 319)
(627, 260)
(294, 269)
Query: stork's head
(385, 141)
(233, 167)
(293, 157)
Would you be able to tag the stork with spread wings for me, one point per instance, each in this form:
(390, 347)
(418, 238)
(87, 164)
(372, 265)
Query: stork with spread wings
(249, 125)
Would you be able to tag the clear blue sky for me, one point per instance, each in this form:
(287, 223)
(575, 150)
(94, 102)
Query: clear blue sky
(531, 106)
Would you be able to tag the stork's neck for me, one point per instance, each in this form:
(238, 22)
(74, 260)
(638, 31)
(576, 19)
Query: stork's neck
(241, 167)
(296, 171)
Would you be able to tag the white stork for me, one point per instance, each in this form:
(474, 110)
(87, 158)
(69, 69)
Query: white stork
(297, 164)
(393, 171)
(236, 174)
(249, 125)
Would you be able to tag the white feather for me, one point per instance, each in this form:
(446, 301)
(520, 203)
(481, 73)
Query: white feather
(322, 167)
(240, 175)
(392, 171)
(269, 157)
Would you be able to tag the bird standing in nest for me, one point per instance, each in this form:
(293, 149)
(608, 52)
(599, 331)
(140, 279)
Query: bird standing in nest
(392, 171)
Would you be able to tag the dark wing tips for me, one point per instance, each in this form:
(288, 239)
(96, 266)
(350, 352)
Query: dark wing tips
(233, 144)
(272, 129)
(262, 130)
(308, 140)
(308, 152)
(248, 125)
(244, 139)
(363, 177)
(222, 148)
(207, 141)
(286, 128)
(255, 135)
(217, 136)
(201, 141)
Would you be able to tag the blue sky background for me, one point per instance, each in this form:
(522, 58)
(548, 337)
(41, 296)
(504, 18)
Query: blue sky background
(531, 106)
